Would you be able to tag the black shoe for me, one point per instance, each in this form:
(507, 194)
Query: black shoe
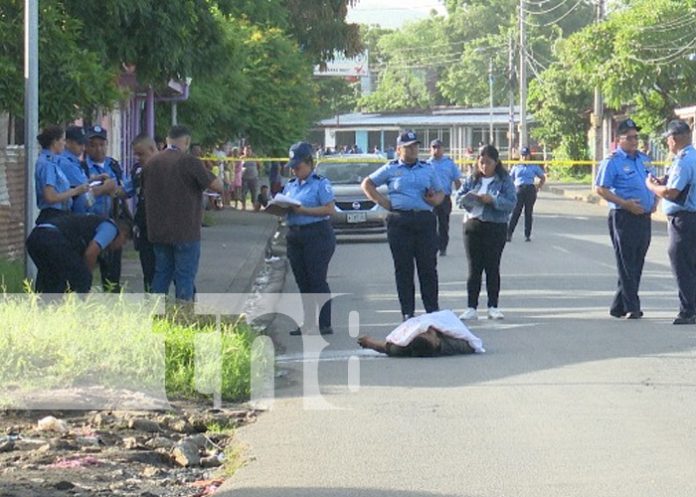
(527, 238)
(617, 314)
(406, 317)
(684, 320)
(328, 330)
(443, 253)
(296, 332)
(634, 315)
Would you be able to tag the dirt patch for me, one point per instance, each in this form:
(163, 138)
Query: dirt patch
(179, 452)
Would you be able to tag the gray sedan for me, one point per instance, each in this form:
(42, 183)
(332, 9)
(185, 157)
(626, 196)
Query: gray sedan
(355, 213)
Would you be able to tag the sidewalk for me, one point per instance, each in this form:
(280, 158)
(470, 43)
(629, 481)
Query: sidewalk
(233, 250)
(585, 193)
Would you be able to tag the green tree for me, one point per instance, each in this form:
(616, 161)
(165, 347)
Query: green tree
(560, 104)
(71, 79)
(639, 57)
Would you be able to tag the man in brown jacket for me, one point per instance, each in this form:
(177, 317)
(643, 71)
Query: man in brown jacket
(175, 181)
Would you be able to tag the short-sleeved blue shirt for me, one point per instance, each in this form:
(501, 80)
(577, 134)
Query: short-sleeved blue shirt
(447, 171)
(408, 184)
(524, 174)
(102, 204)
(69, 163)
(314, 191)
(625, 176)
(48, 173)
(682, 174)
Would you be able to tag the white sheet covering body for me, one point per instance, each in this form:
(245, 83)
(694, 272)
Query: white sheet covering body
(446, 322)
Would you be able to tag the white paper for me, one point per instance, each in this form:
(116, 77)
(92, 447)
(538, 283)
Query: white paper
(470, 200)
(283, 201)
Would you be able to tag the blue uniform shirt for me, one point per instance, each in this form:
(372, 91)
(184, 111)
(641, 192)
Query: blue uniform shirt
(48, 173)
(408, 184)
(625, 176)
(524, 174)
(69, 163)
(682, 174)
(102, 204)
(315, 191)
(447, 171)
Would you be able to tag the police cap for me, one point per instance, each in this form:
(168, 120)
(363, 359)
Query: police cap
(625, 125)
(676, 127)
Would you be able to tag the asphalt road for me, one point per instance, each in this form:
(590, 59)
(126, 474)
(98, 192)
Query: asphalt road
(566, 402)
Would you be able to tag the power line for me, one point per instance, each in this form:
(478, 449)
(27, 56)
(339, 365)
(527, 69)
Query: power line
(541, 13)
(556, 21)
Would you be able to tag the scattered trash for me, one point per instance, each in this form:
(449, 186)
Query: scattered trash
(50, 423)
(77, 462)
(208, 487)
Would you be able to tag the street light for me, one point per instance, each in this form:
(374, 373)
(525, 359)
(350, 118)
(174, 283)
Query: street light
(490, 90)
(490, 95)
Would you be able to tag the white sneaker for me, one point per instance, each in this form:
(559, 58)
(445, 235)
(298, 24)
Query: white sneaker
(469, 315)
(494, 313)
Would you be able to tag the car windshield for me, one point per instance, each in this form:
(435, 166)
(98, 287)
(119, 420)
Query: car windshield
(347, 173)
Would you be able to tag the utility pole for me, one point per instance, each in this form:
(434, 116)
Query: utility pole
(491, 140)
(511, 96)
(523, 76)
(598, 111)
(31, 118)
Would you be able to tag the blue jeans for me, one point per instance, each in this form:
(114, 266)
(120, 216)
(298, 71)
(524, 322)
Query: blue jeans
(178, 262)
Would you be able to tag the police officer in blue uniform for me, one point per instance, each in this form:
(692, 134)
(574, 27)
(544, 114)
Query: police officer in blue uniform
(311, 241)
(70, 162)
(414, 189)
(54, 194)
(448, 173)
(97, 164)
(65, 250)
(621, 182)
(524, 176)
(679, 193)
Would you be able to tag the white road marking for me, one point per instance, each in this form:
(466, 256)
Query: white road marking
(328, 356)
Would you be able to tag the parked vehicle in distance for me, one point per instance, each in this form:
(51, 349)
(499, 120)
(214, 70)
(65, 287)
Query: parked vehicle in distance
(355, 213)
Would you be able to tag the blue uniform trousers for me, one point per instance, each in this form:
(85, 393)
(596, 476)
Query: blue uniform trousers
(442, 212)
(630, 235)
(310, 248)
(413, 239)
(526, 198)
(682, 257)
(60, 267)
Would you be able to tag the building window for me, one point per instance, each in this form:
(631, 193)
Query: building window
(344, 138)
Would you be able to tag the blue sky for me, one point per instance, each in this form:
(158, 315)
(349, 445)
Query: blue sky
(392, 13)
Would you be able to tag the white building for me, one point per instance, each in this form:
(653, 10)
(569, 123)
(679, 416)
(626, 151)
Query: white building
(460, 129)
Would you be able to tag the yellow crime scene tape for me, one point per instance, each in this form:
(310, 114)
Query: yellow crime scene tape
(461, 162)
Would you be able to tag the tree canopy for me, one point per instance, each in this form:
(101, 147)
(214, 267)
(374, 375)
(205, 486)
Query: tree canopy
(251, 62)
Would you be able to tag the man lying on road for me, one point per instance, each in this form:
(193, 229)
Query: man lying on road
(435, 334)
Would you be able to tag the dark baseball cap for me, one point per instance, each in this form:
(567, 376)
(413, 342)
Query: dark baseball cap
(300, 152)
(676, 127)
(96, 132)
(407, 138)
(76, 134)
(436, 143)
(524, 151)
(625, 125)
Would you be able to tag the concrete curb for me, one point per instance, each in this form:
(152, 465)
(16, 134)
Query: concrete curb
(256, 258)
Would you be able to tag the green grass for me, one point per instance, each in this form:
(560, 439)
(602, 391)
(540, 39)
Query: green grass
(575, 174)
(11, 275)
(115, 342)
